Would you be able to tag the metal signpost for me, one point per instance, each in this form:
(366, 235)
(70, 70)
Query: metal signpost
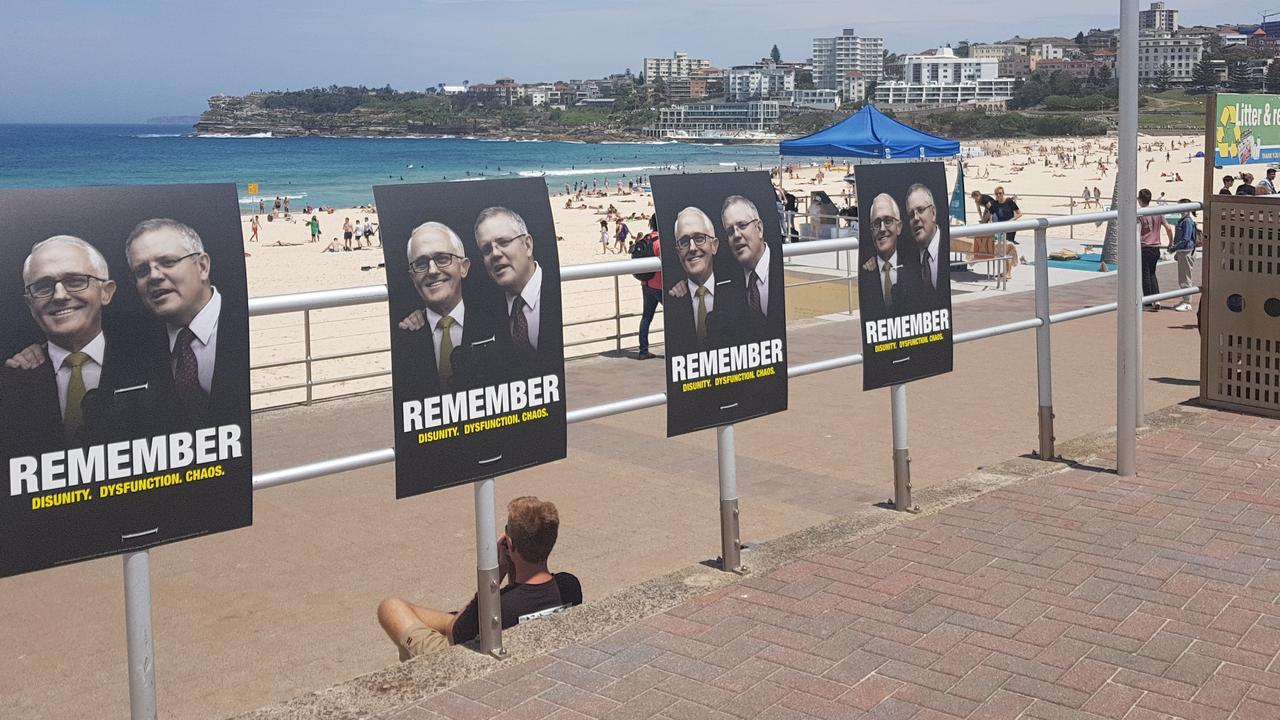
(1128, 337)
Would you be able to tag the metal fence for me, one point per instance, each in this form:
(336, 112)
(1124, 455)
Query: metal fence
(137, 565)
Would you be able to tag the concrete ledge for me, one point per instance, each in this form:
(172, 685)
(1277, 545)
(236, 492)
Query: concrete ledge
(383, 692)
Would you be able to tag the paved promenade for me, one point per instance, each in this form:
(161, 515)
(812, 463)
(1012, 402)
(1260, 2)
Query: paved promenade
(1077, 595)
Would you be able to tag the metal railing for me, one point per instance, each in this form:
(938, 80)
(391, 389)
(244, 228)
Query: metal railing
(301, 302)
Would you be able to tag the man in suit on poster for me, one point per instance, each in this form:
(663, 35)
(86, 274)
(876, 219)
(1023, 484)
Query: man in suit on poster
(533, 332)
(931, 257)
(702, 306)
(66, 286)
(889, 270)
(202, 367)
(459, 341)
(745, 232)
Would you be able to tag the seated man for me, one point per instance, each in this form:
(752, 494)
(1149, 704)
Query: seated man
(532, 527)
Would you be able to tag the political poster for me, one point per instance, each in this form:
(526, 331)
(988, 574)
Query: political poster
(720, 240)
(124, 391)
(1246, 129)
(904, 280)
(477, 342)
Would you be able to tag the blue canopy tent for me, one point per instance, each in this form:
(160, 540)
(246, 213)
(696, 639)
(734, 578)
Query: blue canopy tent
(873, 135)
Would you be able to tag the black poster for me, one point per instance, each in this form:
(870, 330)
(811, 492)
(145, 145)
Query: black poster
(723, 299)
(904, 279)
(124, 391)
(477, 344)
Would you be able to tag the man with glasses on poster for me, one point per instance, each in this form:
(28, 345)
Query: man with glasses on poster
(887, 269)
(437, 267)
(741, 221)
(66, 286)
(709, 307)
(171, 273)
(923, 215)
(506, 248)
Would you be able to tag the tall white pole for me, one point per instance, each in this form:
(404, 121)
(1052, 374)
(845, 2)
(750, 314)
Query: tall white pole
(140, 642)
(1128, 361)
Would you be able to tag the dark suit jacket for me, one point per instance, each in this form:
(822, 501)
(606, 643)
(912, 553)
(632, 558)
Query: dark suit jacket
(773, 324)
(725, 323)
(548, 357)
(906, 292)
(939, 296)
(31, 415)
(473, 360)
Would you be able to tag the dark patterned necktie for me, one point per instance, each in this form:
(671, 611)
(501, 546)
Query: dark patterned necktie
(519, 324)
(753, 293)
(186, 370)
(925, 270)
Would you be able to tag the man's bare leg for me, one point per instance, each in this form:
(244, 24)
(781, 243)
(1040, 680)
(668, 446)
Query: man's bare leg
(396, 616)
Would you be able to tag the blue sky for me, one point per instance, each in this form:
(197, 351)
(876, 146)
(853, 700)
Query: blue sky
(125, 61)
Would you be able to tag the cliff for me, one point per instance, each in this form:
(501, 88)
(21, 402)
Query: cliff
(260, 113)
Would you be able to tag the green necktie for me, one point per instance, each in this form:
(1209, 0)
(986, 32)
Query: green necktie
(444, 366)
(702, 313)
(888, 286)
(72, 416)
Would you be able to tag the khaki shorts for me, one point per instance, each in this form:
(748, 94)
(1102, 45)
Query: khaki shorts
(422, 640)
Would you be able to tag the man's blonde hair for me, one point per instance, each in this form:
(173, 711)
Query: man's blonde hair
(533, 526)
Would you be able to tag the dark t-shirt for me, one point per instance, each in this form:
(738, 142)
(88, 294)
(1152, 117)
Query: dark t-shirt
(1224, 191)
(1244, 190)
(517, 600)
(1001, 211)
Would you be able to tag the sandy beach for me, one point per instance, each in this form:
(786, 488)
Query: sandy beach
(1045, 176)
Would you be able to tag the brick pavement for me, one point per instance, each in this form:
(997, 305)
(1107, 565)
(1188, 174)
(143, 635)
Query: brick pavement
(1077, 595)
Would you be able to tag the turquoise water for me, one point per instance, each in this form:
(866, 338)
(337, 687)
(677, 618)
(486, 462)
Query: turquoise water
(331, 171)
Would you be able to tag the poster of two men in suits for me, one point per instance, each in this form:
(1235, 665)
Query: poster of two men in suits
(723, 298)
(477, 346)
(124, 371)
(904, 278)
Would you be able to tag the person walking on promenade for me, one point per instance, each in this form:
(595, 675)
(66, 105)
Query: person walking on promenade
(1151, 226)
(650, 288)
(1183, 247)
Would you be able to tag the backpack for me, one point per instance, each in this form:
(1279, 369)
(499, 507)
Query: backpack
(643, 248)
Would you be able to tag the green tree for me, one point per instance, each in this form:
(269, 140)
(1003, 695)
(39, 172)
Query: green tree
(1203, 76)
(1080, 41)
(804, 80)
(776, 54)
(1164, 77)
(1273, 77)
(1238, 76)
(1213, 46)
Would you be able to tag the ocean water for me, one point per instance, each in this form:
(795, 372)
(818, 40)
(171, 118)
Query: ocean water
(332, 171)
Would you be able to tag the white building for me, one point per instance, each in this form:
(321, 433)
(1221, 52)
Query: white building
(820, 99)
(853, 87)
(834, 56)
(1156, 50)
(945, 67)
(944, 79)
(759, 82)
(679, 65)
(1046, 52)
(1157, 18)
(758, 115)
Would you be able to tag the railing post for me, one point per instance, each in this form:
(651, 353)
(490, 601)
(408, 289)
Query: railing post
(1044, 355)
(1128, 296)
(617, 314)
(1071, 210)
(488, 578)
(901, 452)
(141, 644)
(848, 280)
(730, 543)
(306, 342)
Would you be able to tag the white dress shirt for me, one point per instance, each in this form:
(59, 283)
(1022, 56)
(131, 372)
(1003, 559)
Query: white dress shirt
(458, 313)
(934, 244)
(710, 299)
(762, 271)
(205, 327)
(90, 371)
(532, 294)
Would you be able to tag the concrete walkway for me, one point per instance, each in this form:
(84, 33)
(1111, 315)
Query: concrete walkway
(1078, 594)
(268, 613)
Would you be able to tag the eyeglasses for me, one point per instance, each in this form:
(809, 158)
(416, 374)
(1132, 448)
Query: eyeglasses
(885, 222)
(741, 226)
(918, 211)
(422, 264)
(141, 271)
(698, 239)
(502, 244)
(45, 287)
